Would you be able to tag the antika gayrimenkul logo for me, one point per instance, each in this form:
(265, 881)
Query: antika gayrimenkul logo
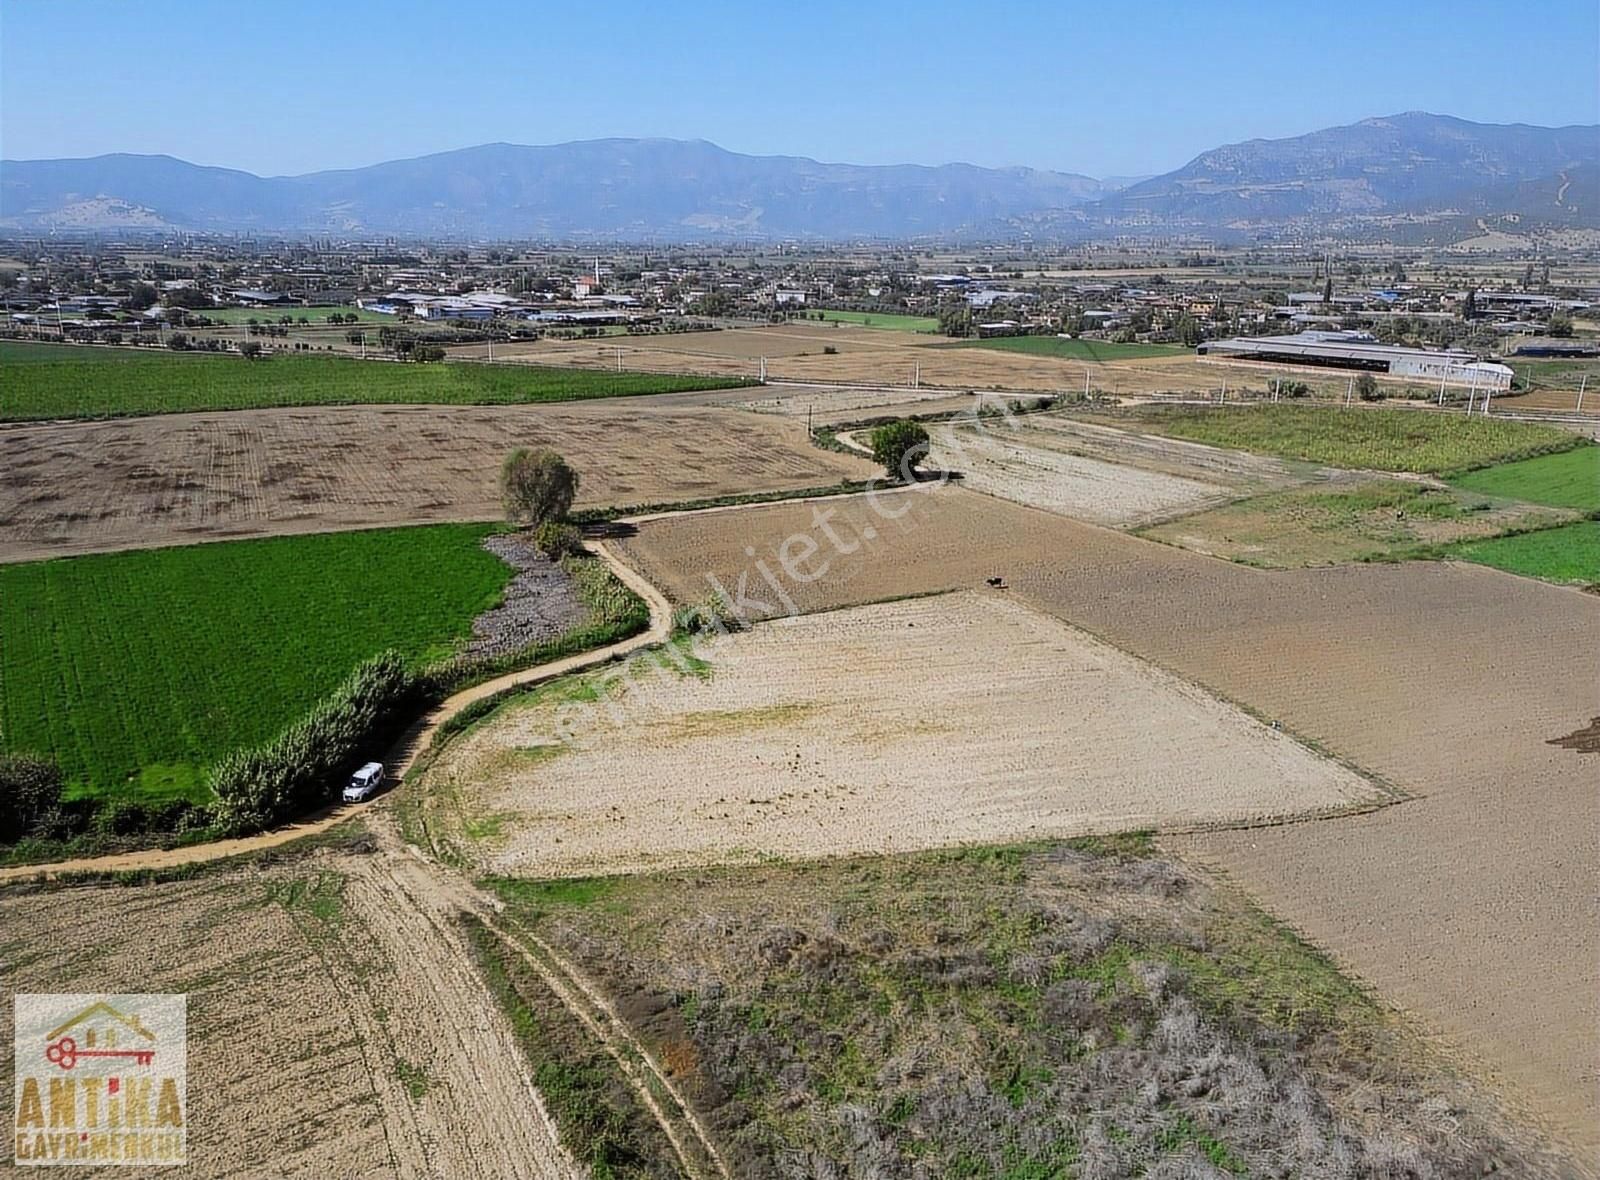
(100, 1079)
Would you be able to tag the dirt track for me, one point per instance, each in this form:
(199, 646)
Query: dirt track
(336, 1027)
(814, 737)
(398, 760)
(1474, 905)
(95, 486)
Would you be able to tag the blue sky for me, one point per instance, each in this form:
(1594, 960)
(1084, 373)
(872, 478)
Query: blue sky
(290, 86)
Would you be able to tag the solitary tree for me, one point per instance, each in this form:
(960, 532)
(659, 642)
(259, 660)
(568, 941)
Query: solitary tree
(1367, 387)
(537, 487)
(1560, 324)
(900, 446)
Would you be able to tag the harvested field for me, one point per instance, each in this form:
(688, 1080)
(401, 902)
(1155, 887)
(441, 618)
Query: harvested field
(809, 738)
(1079, 350)
(1376, 519)
(69, 488)
(1472, 904)
(1099, 474)
(870, 356)
(334, 1029)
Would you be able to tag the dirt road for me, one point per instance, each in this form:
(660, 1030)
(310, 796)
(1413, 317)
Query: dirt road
(336, 1026)
(398, 761)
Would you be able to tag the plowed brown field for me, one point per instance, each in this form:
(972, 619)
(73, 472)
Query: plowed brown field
(95, 486)
(1474, 904)
(336, 1026)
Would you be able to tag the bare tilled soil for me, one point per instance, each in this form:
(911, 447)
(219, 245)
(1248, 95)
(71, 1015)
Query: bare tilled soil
(1097, 473)
(948, 720)
(1473, 904)
(87, 487)
(335, 1024)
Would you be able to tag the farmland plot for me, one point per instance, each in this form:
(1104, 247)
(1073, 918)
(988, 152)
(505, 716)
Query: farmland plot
(1472, 904)
(809, 738)
(89, 487)
(1099, 474)
(135, 671)
(105, 382)
(332, 1029)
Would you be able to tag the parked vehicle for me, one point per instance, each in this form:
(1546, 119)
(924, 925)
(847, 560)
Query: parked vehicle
(364, 783)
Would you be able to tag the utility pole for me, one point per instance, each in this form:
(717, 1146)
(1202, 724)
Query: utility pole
(491, 346)
(1582, 385)
(1350, 391)
(1441, 387)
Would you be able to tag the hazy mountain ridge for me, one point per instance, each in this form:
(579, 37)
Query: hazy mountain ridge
(1354, 177)
(1407, 164)
(610, 187)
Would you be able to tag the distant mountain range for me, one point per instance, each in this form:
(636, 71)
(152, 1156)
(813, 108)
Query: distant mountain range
(1462, 177)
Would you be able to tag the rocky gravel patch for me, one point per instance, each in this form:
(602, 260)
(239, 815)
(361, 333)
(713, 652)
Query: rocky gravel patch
(541, 601)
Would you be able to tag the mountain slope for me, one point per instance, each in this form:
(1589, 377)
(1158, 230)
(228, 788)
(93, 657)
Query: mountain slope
(610, 187)
(1441, 178)
(1413, 163)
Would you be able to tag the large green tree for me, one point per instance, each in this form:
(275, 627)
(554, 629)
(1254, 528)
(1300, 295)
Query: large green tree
(537, 487)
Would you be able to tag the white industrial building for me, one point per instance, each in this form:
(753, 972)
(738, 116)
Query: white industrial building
(1360, 352)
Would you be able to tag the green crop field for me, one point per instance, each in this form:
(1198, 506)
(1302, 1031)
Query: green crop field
(1568, 554)
(1077, 350)
(110, 382)
(15, 353)
(271, 315)
(135, 671)
(1570, 479)
(882, 319)
(1369, 439)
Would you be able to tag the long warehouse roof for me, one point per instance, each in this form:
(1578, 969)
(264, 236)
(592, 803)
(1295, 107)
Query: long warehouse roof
(1328, 344)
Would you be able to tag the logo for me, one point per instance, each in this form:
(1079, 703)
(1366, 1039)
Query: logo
(101, 1080)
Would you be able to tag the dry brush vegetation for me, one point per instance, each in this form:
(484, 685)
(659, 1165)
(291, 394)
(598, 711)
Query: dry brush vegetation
(1089, 1009)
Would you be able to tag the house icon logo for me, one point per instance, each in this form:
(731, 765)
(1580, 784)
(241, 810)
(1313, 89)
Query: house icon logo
(99, 1025)
(100, 1079)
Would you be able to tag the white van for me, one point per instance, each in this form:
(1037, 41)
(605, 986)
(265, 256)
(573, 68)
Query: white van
(364, 782)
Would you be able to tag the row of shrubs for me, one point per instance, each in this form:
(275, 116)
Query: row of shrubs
(254, 789)
(293, 773)
(37, 823)
(300, 770)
